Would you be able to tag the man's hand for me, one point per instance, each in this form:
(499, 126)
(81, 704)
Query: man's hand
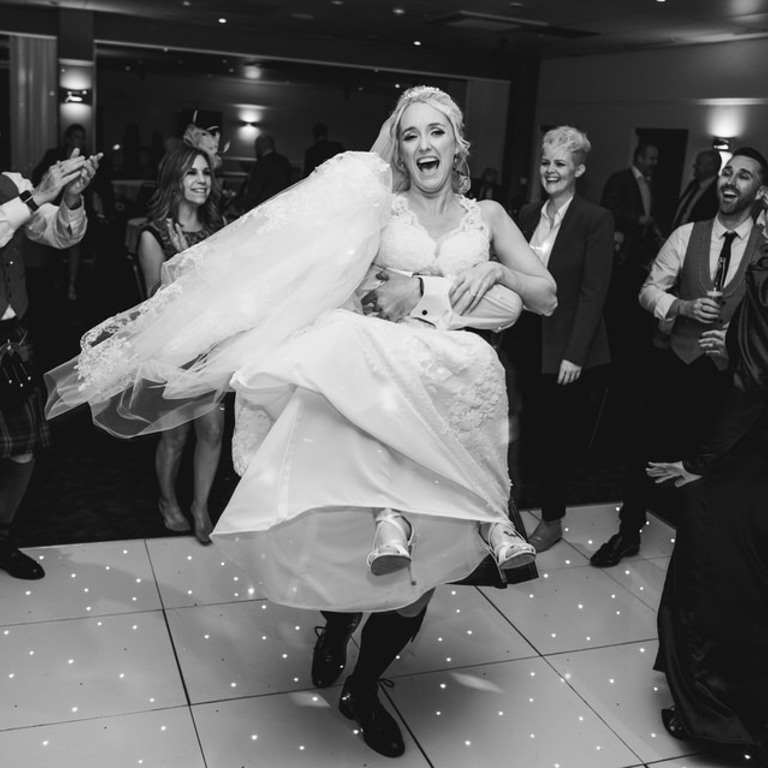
(470, 285)
(57, 177)
(661, 471)
(713, 343)
(394, 298)
(568, 373)
(704, 309)
(87, 171)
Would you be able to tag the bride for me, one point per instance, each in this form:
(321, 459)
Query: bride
(353, 395)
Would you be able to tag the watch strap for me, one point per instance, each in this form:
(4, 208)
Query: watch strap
(28, 200)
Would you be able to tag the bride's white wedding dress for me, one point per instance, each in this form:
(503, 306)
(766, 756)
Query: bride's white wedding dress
(370, 414)
(338, 414)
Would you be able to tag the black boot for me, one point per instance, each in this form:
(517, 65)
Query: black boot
(330, 655)
(14, 479)
(13, 560)
(384, 636)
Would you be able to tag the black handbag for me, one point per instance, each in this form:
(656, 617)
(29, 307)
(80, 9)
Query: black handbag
(17, 381)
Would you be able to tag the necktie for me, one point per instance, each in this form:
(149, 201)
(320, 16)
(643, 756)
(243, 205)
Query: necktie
(681, 217)
(723, 260)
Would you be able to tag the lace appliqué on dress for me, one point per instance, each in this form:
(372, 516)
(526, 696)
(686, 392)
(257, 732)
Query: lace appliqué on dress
(251, 427)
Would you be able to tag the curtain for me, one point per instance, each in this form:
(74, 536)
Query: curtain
(34, 93)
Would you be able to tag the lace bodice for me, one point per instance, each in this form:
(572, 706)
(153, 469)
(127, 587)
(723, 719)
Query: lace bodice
(406, 244)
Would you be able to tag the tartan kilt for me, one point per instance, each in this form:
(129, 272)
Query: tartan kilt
(23, 427)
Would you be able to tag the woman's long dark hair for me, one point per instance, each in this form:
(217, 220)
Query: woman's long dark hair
(165, 202)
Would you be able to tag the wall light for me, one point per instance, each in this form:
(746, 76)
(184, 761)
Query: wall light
(78, 96)
(721, 144)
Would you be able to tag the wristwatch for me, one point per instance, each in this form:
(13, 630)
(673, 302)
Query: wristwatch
(28, 200)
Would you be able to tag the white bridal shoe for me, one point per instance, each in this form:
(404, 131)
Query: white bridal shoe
(392, 543)
(508, 547)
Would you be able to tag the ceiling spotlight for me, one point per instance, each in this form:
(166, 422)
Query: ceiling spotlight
(222, 20)
(417, 43)
(398, 11)
(252, 71)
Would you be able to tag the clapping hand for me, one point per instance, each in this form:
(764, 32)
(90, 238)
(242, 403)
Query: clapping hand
(661, 471)
(85, 173)
(176, 233)
(58, 176)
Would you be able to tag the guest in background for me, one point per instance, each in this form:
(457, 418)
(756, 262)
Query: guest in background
(629, 196)
(270, 174)
(486, 187)
(183, 212)
(321, 150)
(27, 209)
(713, 616)
(686, 378)
(699, 200)
(573, 238)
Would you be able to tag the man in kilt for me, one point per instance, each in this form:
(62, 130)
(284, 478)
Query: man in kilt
(27, 211)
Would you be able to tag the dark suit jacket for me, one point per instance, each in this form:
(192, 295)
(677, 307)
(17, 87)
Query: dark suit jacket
(706, 206)
(269, 175)
(622, 198)
(580, 263)
(319, 152)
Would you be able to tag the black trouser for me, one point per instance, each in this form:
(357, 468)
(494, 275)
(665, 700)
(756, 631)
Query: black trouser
(551, 412)
(678, 408)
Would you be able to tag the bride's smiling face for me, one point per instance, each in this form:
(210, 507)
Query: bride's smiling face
(427, 147)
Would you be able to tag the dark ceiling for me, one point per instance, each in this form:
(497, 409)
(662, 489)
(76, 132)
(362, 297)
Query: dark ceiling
(458, 37)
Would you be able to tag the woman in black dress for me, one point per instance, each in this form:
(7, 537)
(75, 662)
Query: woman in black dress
(713, 617)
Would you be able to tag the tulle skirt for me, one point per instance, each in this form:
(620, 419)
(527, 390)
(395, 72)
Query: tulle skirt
(352, 415)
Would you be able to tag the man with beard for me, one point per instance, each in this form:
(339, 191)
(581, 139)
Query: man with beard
(694, 286)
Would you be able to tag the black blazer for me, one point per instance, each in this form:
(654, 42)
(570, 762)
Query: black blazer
(580, 262)
(621, 196)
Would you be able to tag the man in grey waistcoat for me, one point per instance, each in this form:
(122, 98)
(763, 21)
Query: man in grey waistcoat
(694, 287)
(27, 210)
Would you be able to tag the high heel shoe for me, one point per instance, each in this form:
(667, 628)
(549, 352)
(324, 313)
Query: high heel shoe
(392, 551)
(203, 526)
(508, 548)
(173, 519)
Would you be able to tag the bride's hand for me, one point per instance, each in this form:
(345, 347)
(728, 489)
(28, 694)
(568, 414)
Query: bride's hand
(470, 285)
(661, 471)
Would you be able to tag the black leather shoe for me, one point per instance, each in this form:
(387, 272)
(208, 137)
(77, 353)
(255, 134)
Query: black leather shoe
(673, 725)
(330, 654)
(19, 565)
(380, 731)
(619, 546)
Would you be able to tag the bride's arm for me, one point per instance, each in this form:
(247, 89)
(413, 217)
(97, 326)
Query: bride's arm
(518, 268)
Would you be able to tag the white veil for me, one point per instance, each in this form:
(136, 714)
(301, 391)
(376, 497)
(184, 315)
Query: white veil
(242, 291)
